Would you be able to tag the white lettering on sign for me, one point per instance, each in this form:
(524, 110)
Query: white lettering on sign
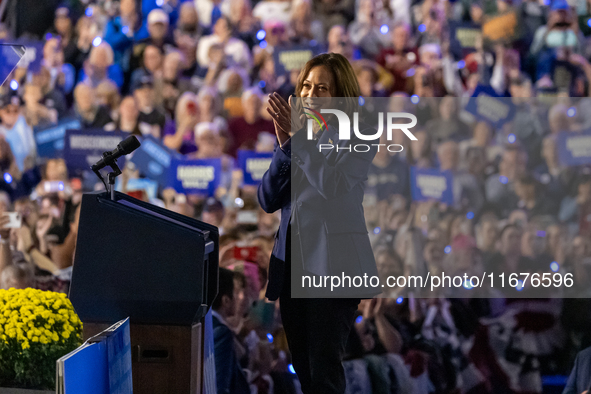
(431, 185)
(195, 177)
(257, 167)
(97, 142)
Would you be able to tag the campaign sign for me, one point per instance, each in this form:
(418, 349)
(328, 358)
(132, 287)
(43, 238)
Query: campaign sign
(487, 105)
(33, 57)
(10, 55)
(152, 159)
(574, 149)
(50, 141)
(209, 379)
(502, 28)
(83, 148)
(195, 176)
(253, 165)
(119, 358)
(293, 57)
(431, 184)
(463, 38)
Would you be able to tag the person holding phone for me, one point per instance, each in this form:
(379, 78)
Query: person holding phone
(323, 182)
(179, 133)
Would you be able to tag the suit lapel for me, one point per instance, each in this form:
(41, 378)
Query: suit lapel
(329, 136)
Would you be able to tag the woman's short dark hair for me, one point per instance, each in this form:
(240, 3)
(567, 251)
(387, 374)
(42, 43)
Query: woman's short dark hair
(346, 84)
(229, 23)
(509, 227)
(225, 287)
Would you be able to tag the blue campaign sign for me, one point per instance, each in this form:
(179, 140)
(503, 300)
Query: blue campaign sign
(101, 365)
(293, 57)
(195, 176)
(462, 38)
(487, 105)
(152, 159)
(85, 370)
(33, 57)
(431, 184)
(10, 55)
(83, 148)
(253, 165)
(209, 382)
(574, 149)
(119, 358)
(50, 141)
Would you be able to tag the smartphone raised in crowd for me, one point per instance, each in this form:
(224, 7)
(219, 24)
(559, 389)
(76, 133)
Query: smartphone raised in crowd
(53, 186)
(16, 220)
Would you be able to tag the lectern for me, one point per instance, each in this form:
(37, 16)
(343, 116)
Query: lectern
(159, 268)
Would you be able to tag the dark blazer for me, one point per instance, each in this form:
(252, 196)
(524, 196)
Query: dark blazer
(229, 376)
(580, 377)
(327, 217)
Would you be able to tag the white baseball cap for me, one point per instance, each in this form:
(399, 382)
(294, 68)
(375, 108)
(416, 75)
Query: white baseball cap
(431, 47)
(204, 127)
(157, 16)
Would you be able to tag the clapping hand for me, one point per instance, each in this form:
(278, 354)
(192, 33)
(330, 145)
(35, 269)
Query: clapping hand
(280, 111)
(373, 308)
(24, 240)
(42, 227)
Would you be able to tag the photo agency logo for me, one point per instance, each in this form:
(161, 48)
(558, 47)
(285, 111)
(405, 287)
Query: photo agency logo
(345, 129)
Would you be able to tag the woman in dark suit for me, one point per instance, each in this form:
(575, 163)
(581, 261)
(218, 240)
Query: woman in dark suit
(322, 231)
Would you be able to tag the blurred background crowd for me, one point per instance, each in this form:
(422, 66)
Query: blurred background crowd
(196, 76)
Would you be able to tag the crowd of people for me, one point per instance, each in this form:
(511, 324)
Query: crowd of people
(196, 76)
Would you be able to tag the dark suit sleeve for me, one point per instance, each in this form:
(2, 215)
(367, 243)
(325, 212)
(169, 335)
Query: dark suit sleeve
(571, 384)
(332, 180)
(224, 358)
(274, 188)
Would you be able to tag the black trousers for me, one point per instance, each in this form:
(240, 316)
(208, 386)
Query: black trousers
(317, 330)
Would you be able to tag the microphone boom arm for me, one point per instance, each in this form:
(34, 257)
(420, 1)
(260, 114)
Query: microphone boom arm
(116, 171)
(109, 159)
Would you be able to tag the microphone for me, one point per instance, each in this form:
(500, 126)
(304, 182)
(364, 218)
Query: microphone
(125, 147)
